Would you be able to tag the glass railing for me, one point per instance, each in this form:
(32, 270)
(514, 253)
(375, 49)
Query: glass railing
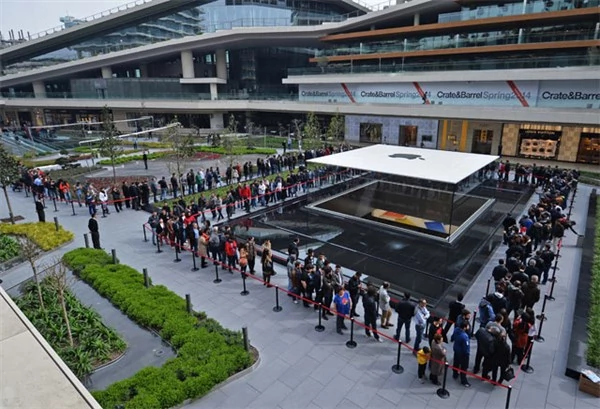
(459, 41)
(267, 96)
(475, 65)
(515, 9)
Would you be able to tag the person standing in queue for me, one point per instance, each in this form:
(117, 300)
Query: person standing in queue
(355, 289)
(39, 208)
(93, 228)
(343, 305)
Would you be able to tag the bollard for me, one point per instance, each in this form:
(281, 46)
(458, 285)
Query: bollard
(144, 230)
(320, 327)
(195, 268)
(277, 307)
(540, 316)
(528, 368)
(245, 336)
(217, 280)
(508, 393)
(56, 225)
(146, 278)
(351, 343)
(55, 208)
(244, 292)
(539, 337)
(177, 259)
(443, 392)
(158, 250)
(188, 303)
(397, 368)
(114, 256)
(551, 297)
(472, 334)
(487, 289)
(86, 240)
(73, 208)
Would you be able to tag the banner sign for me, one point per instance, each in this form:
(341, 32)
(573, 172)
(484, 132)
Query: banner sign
(553, 94)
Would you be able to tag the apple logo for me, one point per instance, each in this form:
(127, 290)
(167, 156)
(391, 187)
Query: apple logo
(409, 156)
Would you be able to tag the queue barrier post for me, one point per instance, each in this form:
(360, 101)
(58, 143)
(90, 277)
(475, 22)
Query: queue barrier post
(188, 303)
(177, 259)
(508, 393)
(527, 368)
(538, 337)
(245, 291)
(320, 327)
(551, 296)
(217, 280)
(54, 200)
(114, 256)
(73, 208)
(277, 307)
(56, 225)
(443, 392)
(472, 334)
(351, 343)
(487, 288)
(158, 250)
(195, 267)
(144, 230)
(86, 240)
(397, 368)
(146, 278)
(540, 316)
(245, 338)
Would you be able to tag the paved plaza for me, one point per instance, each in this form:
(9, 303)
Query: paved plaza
(302, 368)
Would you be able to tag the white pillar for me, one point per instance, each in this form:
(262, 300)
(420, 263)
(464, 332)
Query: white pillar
(187, 64)
(216, 120)
(107, 72)
(214, 93)
(416, 19)
(39, 89)
(221, 64)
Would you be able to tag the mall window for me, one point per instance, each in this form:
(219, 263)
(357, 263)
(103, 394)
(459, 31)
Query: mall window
(370, 132)
(482, 141)
(539, 141)
(589, 146)
(407, 135)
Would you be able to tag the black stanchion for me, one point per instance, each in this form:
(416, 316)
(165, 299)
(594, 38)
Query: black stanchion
(443, 392)
(55, 208)
(158, 250)
(320, 327)
(508, 393)
(217, 280)
(73, 208)
(527, 368)
(86, 240)
(351, 343)
(245, 338)
(397, 368)
(195, 267)
(551, 297)
(114, 256)
(188, 303)
(539, 337)
(277, 307)
(177, 259)
(146, 278)
(56, 225)
(245, 291)
(144, 230)
(541, 316)
(472, 334)
(487, 288)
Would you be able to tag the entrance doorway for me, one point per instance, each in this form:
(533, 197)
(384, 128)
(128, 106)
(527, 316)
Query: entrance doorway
(482, 141)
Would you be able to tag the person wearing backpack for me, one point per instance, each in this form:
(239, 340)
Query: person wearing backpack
(485, 312)
(213, 244)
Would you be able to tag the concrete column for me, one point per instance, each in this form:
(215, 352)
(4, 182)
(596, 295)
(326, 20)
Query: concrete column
(214, 93)
(144, 70)
(416, 19)
(221, 64)
(107, 72)
(216, 120)
(187, 64)
(39, 89)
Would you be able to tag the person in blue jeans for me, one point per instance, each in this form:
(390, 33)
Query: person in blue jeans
(462, 352)
(421, 317)
(405, 310)
(343, 304)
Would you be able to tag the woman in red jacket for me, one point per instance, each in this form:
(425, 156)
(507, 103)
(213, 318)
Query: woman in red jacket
(231, 253)
(521, 328)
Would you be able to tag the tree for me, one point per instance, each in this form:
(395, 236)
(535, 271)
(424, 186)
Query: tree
(337, 128)
(59, 282)
(9, 173)
(111, 145)
(312, 132)
(32, 253)
(297, 127)
(181, 147)
(231, 141)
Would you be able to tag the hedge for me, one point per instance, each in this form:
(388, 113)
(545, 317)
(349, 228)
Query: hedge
(42, 234)
(242, 150)
(131, 158)
(207, 354)
(593, 351)
(9, 248)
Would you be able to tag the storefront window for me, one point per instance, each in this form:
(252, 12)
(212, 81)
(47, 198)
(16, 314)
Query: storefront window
(482, 141)
(589, 146)
(370, 132)
(539, 141)
(408, 135)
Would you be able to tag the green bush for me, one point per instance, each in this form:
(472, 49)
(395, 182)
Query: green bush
(94, 343)
(9, 248)
(42, 234)
(593, 351)
(126, 159)
(241, 150)
(207, 354)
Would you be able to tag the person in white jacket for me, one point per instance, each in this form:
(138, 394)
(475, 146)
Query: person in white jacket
(103, 197)
(421, 317)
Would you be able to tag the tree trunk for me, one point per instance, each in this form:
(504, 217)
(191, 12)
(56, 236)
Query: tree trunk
(112, 162)
(37, 284)
(10, 212)
(61, 294)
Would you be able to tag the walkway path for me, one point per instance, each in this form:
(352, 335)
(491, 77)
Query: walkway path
(301, 368)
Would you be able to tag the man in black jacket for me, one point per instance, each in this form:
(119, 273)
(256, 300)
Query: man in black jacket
(370, 307)
(455, 308)
(354, 288)
(500, 271)
(405, 310)
(93, 228)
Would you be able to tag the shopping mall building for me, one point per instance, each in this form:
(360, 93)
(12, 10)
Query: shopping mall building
(520, 77)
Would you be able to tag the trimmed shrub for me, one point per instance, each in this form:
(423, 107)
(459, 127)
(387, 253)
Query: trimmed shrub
(43, 234)
(9, 248)
(593, 351)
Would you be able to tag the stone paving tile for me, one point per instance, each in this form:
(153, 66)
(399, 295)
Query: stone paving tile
(272, 396)
(347, 404)
(334, 392)
(365, 390)
(329, 369)
(263, 382)
(303, 394)
(297, 373)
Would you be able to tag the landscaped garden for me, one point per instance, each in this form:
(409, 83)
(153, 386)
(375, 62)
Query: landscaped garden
(593, 351)
(207, 353)
(44, 235)
(9, 248)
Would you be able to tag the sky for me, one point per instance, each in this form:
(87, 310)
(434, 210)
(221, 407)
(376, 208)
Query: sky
(38, 15)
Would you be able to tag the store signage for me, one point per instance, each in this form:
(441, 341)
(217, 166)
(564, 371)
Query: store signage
(556, 94)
